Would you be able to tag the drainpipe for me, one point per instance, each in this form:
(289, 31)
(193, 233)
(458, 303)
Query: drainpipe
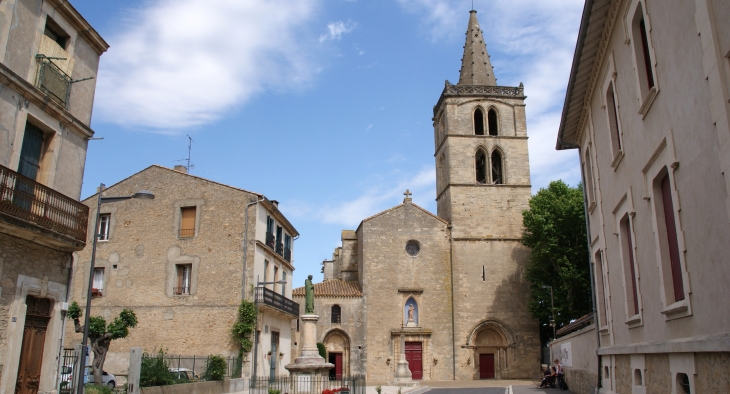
(453, 327)
(245, 247)
(590, 266)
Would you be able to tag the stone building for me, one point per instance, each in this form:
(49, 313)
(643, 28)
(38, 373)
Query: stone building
(49, 55)
(451, 284)
(647, 108)
(183, 262)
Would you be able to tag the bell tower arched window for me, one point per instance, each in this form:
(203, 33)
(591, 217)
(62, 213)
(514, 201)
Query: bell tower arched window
(481, 166)
(478, 122)
(493, 123)
(497, 170)
(336, 314)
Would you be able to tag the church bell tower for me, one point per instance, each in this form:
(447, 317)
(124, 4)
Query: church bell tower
(482, 187)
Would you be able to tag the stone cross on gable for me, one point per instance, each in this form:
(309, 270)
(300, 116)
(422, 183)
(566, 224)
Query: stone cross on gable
(408, 196)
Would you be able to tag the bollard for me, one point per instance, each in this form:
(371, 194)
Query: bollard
(135, 367)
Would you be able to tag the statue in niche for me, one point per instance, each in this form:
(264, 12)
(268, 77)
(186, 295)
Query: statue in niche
(411, 309)
(411, 313)
(309, 295)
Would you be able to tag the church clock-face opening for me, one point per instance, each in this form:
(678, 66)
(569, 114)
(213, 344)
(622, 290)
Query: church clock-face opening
(413, 248)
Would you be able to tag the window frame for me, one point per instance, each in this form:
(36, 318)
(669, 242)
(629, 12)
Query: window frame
(503, 170)
(475, 130)
(599, 264)
(178, 279)
(95, 283)
(485, 167)
(338, 314)
(635, 13)
(178, 206)
(493, 110)
(106, 225)
(625, 231)
(613, 113)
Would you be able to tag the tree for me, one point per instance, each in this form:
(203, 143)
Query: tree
(101, 335)
(555, 232)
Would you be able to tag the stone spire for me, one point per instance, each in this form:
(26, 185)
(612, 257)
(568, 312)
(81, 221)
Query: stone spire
(476, 69)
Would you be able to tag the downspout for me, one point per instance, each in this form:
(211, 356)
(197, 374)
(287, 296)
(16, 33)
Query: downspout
(453, 326)
(63, 323)
(245, 247)
(590, 266)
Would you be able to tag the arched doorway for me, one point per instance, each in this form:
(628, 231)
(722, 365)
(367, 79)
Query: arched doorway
(337, 343)
(490, 343)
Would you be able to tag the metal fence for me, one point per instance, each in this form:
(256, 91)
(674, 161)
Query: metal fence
(308, 384)
(198, 364)
(66, 382)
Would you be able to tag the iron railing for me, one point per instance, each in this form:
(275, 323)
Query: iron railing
(270, 240)
(53, 81)
(33, 202)
(307, 384)
(277, 301)
(287, 254)
(279, 248)
(65, 378)
(181, 290)
(187, 232)
(192, 368)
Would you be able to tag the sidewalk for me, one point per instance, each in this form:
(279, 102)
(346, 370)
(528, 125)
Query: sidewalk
(526, 386)
(532, 389)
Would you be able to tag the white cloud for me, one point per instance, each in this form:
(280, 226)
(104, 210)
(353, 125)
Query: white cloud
(534, 43)
(335, 30)
(181, 63)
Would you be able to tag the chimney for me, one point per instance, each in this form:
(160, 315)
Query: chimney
(181, 168)
(276, 203)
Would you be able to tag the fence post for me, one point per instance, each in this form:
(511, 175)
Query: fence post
(135, 368)
(78, 366)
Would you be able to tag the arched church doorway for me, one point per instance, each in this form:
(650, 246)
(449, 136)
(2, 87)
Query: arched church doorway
(490, 352)
(337, 343)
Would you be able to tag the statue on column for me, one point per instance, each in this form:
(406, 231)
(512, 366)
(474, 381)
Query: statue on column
(309, 296)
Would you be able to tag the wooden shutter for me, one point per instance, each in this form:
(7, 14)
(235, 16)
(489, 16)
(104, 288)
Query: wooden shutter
(672, 240)
(187, 223)
(180, 275)
(631, 267)
(30, 152)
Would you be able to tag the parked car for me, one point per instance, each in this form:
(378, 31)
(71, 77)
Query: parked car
(67, 374)
(184, 374)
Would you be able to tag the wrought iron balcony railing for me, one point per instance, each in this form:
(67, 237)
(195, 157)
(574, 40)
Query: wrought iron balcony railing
(181, 290)
(270, 240)
(276, 301)
(187, 232)
(26, 199)
(53, 81)
(279, 248)
(287, 254)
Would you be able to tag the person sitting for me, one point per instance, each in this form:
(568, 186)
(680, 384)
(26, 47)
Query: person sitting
(549, 379)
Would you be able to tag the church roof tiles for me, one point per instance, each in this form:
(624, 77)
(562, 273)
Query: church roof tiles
(332, 288)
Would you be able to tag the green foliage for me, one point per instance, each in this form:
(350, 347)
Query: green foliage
(97, 326)
(216, 368)
(378, 389)
(155, 371)
(244, 326)
(119, 328)
(273, 391)
(94, 389)
(322, 350)
(555, 233)
(74, 311)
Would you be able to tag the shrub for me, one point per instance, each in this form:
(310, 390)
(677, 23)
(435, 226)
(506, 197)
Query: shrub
(216, 368)
(94, 389)
(274, 391)
(322, 350)
(243, 329)
(154, 371)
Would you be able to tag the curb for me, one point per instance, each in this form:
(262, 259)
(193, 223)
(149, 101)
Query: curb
(419, 390)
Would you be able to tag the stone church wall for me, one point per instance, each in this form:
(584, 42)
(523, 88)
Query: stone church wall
(391, 276)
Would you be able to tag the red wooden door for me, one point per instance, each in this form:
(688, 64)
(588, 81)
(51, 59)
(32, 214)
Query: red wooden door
(336, 372)
(486, 366)
(414, 355)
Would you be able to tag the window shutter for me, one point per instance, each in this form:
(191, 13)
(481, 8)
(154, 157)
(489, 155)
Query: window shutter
(672, 240)
(180, 274)
(30, 152)
(187, 222)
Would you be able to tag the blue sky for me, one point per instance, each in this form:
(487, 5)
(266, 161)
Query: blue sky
(324, 106)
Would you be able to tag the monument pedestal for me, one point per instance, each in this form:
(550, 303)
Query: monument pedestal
(403, 376)
(309, 369)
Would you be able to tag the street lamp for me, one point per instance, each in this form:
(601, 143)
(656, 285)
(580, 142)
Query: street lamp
(552, 305)
(143, 195)
(256, 330)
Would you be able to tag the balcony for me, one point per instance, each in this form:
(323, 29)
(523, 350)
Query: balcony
(268, 299)
(270, 240)
(187, 232)
(53, 81)
(279, 248)
(29, 209)
(287, 254)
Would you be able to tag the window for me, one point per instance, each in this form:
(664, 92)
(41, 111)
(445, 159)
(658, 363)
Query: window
(493, 123)
(97, 289)
(481, 167)
(668, 240)
(588, 170)
(497, 173)
(336, 314)
(187, 222)
(183, 279)
(31, 151)
(283, 286)
(287, 247)
(276, 276)
(641, 50)
(478, 122)
(104, 222)
(613, 121)
(413, 248)
(279, 244)
(600, 290)
(266, 270)
(270, 232)
(56, 33)
(632, 294)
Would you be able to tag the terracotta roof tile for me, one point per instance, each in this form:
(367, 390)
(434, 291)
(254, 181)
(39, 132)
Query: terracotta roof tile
(332, 288)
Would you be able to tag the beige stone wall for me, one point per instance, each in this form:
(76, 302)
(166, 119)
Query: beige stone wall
(140, 257)
(392, 276)
(658, 376)
(712, 373)
(581, 370)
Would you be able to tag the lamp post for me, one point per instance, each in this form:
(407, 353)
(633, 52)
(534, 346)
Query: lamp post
(256, 330)
(142, 194)
(552, 306)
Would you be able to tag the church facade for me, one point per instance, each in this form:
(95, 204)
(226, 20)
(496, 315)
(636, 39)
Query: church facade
(448, 288)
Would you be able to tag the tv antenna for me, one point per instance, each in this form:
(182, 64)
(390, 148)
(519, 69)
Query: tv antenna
(190, 147)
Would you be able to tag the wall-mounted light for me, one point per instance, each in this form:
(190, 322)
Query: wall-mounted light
(387, 362)
(435, 361)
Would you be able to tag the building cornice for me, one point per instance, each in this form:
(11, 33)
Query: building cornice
(477, 185)
(82, 27)
(38, 98)
(275, 255)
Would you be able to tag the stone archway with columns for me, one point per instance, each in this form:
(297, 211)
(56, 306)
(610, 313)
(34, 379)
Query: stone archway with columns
(491, 337)
(337, 341)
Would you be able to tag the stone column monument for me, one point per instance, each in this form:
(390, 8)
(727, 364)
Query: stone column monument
(309, 369)
(403, 376)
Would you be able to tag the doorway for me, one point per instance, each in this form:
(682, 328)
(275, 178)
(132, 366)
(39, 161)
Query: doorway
(274, 354)
(414, 356)
(336, 372)
(486, 366)
(37, 316)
